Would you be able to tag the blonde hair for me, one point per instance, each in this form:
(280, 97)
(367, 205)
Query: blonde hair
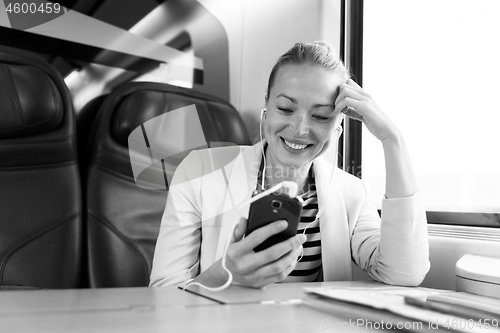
(319, 53)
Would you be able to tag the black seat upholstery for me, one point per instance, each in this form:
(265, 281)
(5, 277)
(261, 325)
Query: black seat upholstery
(40, 191)
(123, 218)
(84, 120)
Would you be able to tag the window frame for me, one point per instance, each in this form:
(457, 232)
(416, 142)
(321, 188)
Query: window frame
(351, 50)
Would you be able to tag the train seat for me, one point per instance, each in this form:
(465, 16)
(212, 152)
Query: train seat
(122, 217)
(84, 119)
(40, 189)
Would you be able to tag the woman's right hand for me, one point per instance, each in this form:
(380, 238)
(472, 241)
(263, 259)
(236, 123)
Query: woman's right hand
(258, 269)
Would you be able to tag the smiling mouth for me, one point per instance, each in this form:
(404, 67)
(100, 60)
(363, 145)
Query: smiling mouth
(295, 146)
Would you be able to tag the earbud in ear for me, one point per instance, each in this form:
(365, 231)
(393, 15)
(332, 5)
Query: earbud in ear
(262, 114)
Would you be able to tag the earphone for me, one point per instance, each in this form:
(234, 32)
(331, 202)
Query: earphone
(262, 147)
(339, 128)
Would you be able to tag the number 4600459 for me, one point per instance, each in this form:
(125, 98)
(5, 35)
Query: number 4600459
(26, 7)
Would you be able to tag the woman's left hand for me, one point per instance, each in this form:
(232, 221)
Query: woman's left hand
(361, 106)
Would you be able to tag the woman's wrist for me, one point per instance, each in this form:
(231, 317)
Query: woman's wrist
(393, 138)
(400, 177)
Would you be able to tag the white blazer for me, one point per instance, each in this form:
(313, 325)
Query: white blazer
(208, 193)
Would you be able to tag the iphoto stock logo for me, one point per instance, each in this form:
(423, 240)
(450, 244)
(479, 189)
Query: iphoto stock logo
(158, 146)
(24, 15)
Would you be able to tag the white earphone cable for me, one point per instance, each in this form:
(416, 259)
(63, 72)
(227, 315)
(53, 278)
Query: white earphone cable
(262, 147)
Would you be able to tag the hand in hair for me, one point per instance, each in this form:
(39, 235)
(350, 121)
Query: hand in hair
(400, 179)
(363, 108)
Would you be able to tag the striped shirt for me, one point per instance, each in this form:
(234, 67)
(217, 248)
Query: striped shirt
(309, 266)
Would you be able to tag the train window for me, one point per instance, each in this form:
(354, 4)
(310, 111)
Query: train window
(433, 67)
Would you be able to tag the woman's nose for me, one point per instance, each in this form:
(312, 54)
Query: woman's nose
(300, 125)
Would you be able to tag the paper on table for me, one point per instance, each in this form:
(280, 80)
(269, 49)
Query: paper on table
(392, 299)
(386, 289)
(466, 299)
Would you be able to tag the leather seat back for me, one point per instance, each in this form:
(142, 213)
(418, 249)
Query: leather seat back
(123, 218)
(40, 191)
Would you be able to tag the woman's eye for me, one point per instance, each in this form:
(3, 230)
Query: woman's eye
(285, 110)
(321, 118)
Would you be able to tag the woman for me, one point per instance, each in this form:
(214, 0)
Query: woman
(308, 92)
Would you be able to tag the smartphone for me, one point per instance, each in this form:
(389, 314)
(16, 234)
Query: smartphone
(274, 207)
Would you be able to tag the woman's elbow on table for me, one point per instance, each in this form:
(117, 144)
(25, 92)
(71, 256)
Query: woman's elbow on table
(412, 275)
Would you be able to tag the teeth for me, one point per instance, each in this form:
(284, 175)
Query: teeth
(294, 146)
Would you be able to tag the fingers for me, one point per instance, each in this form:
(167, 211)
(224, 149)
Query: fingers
(277, 251)
(358, 104)
(349, 107)
(352, 92)
(352, 113)
(257, 269)
(355, 93)
(351, 100)
(281, 267)
(261, 234)
(276, 256)
(240, 229)
(353, 83)
(277, 270)
(275, 259)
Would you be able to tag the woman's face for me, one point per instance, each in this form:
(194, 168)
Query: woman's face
(299, 121)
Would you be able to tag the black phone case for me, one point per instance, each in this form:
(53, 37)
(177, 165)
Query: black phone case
(271, 208)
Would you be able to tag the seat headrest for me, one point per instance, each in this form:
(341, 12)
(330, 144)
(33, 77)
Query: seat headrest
(31, 102)
(136, 109)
